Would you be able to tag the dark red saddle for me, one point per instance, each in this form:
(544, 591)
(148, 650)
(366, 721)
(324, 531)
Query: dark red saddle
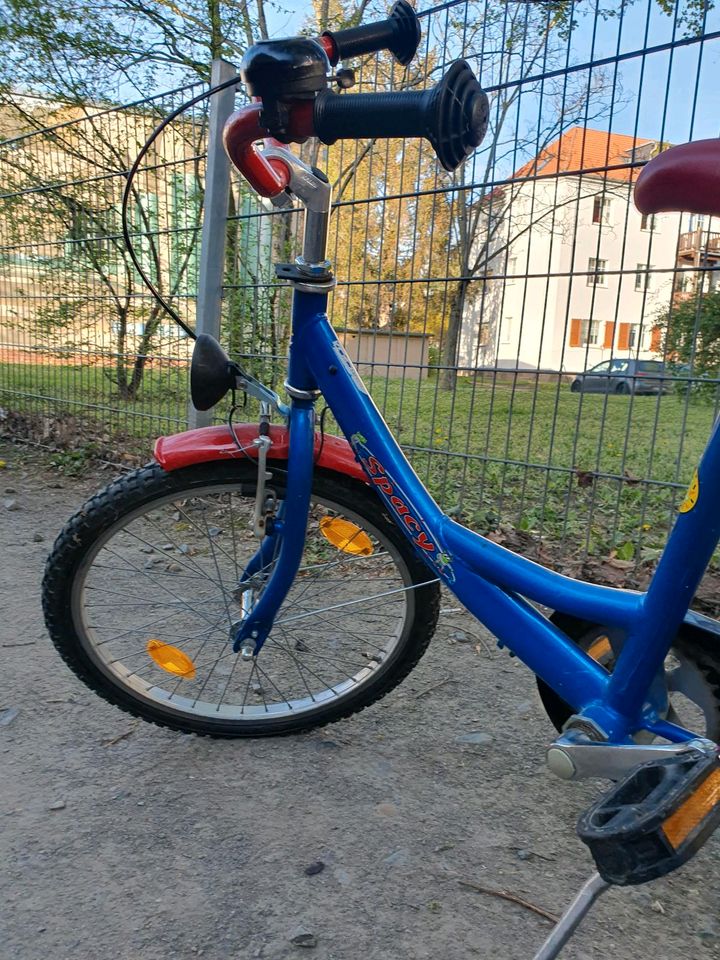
(686, 177)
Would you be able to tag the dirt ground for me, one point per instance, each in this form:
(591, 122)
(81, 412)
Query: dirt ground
(121, 840)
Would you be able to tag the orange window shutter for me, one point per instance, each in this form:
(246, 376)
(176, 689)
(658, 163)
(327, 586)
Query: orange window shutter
(624, 336)
(656, 339)
(609, 335)
(575, 333)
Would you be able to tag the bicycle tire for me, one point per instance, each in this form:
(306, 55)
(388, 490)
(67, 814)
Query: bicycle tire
(696, 675)
(140, 500)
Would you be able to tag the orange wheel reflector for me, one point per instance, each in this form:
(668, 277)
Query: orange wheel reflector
(346, 536)
(171, 659)
(680, 824)
(599, 648)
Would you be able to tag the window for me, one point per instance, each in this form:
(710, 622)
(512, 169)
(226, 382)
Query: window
(87, 229)
(683, 281)
(644, 151)
(131, 329)
(184, 215)
(647, 222)
(619, 366)
(506, 330)
(584, 333)
(634, 336)
(601, 368)
(601, 210)
(511, 270)
(596, 271)
(642, 277)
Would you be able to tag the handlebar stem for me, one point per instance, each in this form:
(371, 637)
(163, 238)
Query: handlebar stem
(313, 189)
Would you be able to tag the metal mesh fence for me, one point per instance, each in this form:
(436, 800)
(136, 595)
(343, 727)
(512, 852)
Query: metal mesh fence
(79, 333)
(544, 353)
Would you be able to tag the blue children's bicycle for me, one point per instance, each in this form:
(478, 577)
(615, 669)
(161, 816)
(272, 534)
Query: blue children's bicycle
(264, 579)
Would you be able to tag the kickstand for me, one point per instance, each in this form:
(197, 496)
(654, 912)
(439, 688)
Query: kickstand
(573, 916)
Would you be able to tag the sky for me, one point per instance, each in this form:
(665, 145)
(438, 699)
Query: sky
(287, 24)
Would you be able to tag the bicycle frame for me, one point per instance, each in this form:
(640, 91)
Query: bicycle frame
(493, 583)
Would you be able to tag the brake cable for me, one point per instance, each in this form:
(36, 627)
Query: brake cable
(126, 199)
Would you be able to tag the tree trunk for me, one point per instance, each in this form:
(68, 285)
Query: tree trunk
(216, 37)
(448, 376)
(120, 377)
(142, 356)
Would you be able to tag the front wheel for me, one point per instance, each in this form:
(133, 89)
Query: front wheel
(144, 589)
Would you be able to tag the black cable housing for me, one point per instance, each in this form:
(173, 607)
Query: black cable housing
(126, 199)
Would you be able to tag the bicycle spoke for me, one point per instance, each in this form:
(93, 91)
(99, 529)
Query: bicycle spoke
(183, 559)
(162, 587)
(317, 651)
(349, 603)
(177, 642)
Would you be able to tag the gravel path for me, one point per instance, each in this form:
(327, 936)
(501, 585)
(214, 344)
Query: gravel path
(123, 841)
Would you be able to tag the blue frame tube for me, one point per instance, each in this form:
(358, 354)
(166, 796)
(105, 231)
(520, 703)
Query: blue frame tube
(687, 553)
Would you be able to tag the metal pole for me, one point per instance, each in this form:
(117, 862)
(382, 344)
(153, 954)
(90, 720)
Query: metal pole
(569, 921)
(215, 208)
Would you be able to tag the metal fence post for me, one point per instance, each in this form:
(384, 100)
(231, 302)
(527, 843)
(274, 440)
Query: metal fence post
(215, 208)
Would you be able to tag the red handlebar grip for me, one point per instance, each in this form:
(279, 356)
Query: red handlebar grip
(268, 175)
(330, 48)
(242, 131)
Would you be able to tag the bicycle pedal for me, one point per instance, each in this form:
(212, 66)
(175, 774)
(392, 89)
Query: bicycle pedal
(655, 820)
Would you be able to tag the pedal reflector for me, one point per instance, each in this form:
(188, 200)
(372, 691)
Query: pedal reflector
(689, 815)
(170, 659)
(346, 536)
(656, 819)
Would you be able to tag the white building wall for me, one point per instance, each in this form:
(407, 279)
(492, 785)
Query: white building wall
(549, 237)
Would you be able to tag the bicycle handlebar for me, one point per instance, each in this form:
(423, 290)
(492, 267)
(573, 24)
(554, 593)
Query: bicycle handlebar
(453, 116)
(400, 34)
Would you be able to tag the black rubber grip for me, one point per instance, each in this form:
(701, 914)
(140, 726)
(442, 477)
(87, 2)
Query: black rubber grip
(400, 34)
(453, 116)
(357, 116)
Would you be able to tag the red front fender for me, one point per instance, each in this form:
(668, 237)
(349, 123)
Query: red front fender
(216, 443)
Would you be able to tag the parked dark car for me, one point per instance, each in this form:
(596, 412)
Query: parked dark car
(622, 376)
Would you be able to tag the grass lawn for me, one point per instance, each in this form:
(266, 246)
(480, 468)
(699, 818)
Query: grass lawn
(588, 470)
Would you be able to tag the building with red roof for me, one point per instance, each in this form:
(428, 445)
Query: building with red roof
(575, 275)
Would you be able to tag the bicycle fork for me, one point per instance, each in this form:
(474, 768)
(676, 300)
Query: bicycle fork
(284, 536)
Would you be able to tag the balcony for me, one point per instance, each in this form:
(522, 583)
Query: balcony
(699, 245)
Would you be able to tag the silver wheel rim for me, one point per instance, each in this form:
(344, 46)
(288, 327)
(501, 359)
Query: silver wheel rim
(168, 571)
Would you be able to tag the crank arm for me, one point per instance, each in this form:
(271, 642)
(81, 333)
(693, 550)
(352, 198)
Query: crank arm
(575, 757)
